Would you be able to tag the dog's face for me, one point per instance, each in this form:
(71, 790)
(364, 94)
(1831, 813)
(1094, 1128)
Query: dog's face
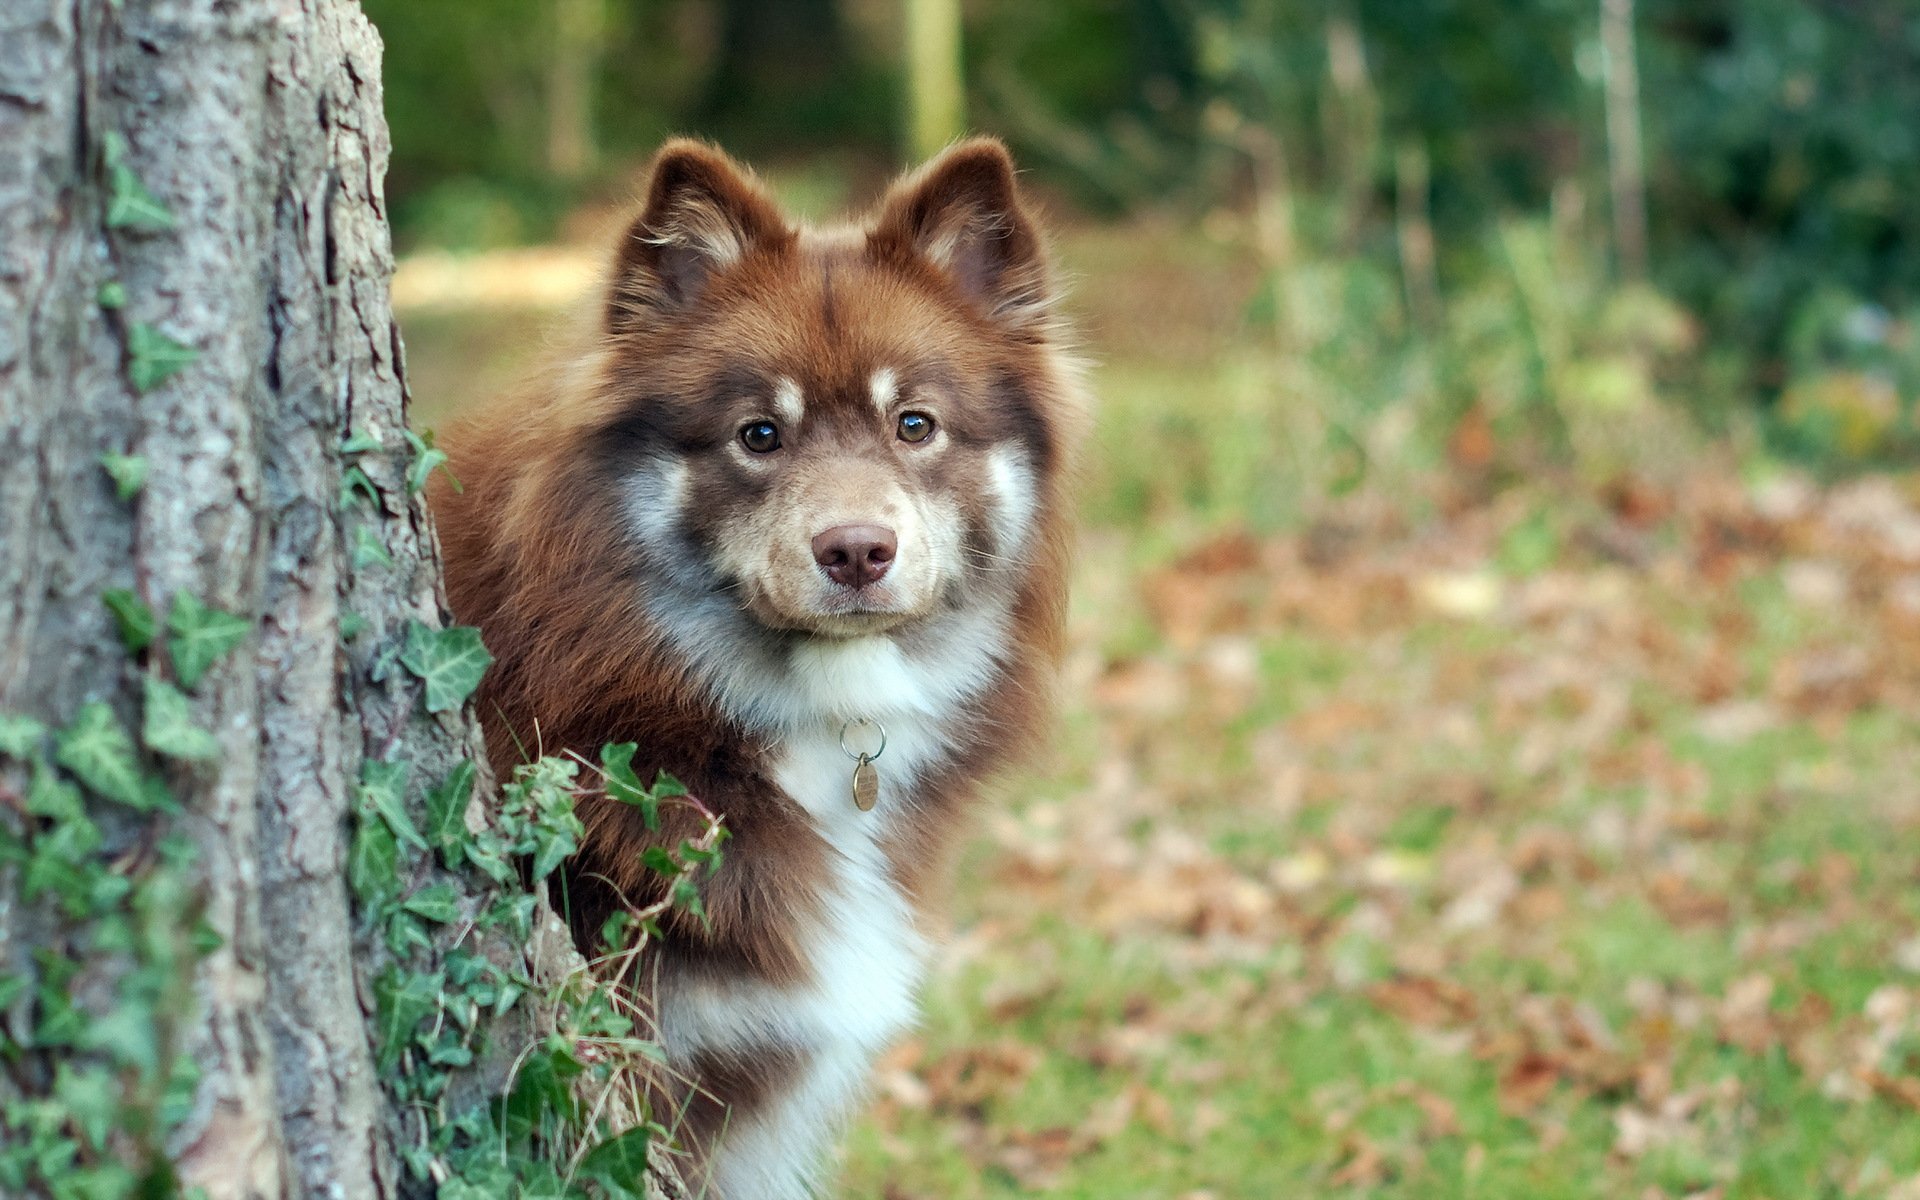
(839, 432)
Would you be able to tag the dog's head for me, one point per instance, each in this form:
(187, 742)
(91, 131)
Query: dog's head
(840, 431)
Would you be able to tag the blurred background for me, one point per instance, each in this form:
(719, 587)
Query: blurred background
(1490, 766)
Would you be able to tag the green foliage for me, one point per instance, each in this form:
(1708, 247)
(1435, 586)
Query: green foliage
(430, 1016)
(132, 617)
(153, 357)
(198, 635)
(368, 549)
(168, 726)
(20, 737)
(116, 1082)
(129, 474)
(449, 661)
(426, 459)
(101, 754)
(129, 204)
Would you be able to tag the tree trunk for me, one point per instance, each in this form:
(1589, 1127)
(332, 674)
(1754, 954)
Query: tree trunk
(193, 283)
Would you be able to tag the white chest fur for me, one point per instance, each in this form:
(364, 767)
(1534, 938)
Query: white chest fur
(867, 954)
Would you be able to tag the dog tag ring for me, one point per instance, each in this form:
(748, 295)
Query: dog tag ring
(866, 776)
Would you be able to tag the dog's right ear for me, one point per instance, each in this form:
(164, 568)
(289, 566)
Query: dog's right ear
(704, 214)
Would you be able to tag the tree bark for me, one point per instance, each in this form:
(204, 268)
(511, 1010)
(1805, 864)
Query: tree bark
(255, 129)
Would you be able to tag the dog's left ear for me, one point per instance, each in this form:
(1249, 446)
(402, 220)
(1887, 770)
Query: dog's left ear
(962, 213)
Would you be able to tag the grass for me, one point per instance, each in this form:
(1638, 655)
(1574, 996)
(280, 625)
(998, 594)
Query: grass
(1487, 831)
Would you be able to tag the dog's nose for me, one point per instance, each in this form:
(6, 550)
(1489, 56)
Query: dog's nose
(854, 555)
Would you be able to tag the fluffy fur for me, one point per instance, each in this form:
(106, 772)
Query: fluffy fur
(641, 573)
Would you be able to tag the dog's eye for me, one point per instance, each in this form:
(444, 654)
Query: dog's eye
(761, 437)
(915, 427)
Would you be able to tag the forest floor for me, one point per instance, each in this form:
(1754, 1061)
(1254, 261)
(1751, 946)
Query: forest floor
(1541, 840)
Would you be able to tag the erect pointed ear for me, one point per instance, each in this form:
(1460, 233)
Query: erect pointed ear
(962, 213)
(703, 215)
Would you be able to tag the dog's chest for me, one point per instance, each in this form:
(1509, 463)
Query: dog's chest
(867, 952)
(864, 960)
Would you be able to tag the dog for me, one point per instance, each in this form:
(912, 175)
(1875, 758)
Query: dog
(793, 519)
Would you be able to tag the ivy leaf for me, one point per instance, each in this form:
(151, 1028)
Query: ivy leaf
(355, 482)
(426, 458)
(129, 1031)
(153, 357)
(619, 1164)
(449, 661)
(447, 811)
(198, 635)
(97, 749)
(48, 795)
(91, 1097)
(553, 848)
(383, 785)
(168, 727)
(132, 617)
(616, 760)
(129, 473)
(361, 442)
(129, 204)
(20, 735)
(352, 624)
(369, 549)
(112, 295)
(438, 903)
(404, 1000)
(132, 206)
(373, 862)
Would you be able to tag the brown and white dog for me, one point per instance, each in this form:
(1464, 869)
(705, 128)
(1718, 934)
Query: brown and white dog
(801, 487)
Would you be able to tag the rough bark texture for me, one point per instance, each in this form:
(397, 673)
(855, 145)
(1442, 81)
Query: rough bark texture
(258, 123)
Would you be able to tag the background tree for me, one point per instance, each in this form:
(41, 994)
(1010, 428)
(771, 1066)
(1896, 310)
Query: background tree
(257, 936)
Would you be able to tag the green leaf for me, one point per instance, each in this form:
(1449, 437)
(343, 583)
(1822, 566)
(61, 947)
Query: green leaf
(438, 903)
(447, 811)
(449, 661)
(552, 848)
(129, 204)
(168, 727)
(541, 1092)
(132, 206)
(129, 474)
(20, 735)
(91, 1097)
(616, 760)
(383, 786)
(129, 1031)
(356, 482)
(404, 1000)
(619, 1164)
(426, 458)
(48, 795)
(352, 624)
(98, 751)
(373, 862)
(112, 295)
(132, 617)
(360, 443)
(368, 549)
(153, 357)
(198, 635)
(406, 933)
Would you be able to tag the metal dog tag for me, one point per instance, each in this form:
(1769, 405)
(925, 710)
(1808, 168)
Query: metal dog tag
(866, 784)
